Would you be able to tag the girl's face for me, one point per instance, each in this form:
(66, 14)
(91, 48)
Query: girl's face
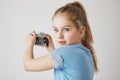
(65, 31)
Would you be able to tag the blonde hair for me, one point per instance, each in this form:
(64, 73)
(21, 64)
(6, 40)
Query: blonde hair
(77, 14)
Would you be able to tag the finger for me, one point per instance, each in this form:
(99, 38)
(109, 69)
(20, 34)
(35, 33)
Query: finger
(33, 33)
(48, 36)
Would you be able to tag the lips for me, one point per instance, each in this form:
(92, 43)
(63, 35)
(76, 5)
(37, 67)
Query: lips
(61, 42)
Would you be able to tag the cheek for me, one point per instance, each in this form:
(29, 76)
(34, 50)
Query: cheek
(71, 38)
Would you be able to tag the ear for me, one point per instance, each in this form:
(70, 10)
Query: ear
(82, 31)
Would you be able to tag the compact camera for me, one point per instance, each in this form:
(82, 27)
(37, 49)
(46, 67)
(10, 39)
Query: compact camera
(41, 40)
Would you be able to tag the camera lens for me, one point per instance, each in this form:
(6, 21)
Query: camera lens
(45, 41)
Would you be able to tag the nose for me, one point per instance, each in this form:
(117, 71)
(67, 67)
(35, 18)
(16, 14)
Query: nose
(60, 35)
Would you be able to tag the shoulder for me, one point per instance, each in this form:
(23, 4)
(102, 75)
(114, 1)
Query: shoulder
(66, 49)
(72, 48)
(75, 49)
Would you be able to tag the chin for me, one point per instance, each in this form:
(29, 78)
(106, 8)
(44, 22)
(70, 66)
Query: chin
(63, 45)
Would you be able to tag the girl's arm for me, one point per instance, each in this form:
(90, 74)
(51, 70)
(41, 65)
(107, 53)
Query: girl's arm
(41, 63)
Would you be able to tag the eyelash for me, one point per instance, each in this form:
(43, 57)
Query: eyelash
(55, 30)
(64, 30)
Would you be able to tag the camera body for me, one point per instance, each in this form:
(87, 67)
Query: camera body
(41, 40)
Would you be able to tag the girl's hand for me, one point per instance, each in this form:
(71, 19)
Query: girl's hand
(30, 39)
(50, 46)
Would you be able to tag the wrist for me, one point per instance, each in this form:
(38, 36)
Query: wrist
(29, 46)
(50, 49)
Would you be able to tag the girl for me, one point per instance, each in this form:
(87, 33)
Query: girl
(75, 58)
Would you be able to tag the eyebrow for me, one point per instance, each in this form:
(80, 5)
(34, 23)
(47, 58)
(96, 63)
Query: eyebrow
(63, 26)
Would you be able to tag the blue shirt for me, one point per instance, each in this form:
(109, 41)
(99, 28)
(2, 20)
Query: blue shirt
(73, 62)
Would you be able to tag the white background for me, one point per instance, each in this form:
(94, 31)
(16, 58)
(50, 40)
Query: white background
(20, 17)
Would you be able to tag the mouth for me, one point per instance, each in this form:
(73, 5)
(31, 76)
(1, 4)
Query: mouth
(61, 42)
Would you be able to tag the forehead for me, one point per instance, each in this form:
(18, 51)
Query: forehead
(61, 20)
